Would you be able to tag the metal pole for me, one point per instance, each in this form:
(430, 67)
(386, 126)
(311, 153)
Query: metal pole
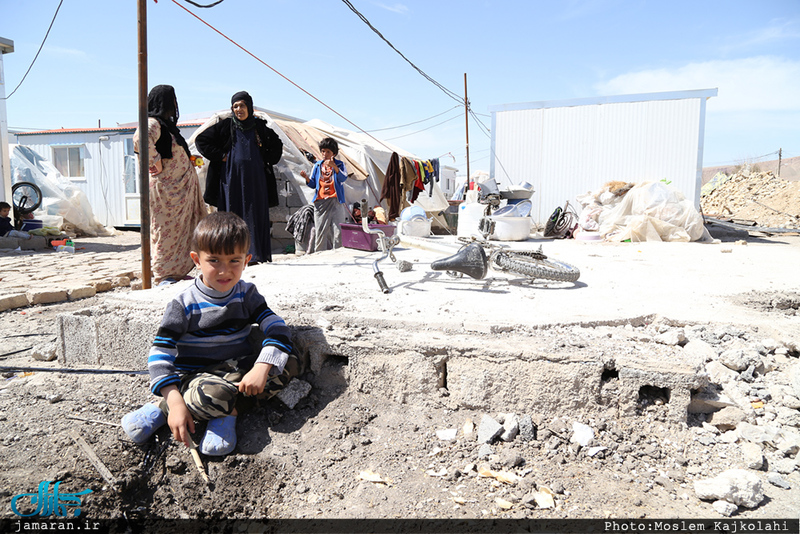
(780, 154)
(466, 117)
(144, 155)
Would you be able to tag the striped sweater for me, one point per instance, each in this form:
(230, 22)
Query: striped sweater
(202, 327)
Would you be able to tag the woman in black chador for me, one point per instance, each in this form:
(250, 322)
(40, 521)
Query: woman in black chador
(242, 150)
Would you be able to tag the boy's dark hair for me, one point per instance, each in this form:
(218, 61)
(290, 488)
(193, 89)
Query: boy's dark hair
(331, 144)
(4, 205)
(221, 232)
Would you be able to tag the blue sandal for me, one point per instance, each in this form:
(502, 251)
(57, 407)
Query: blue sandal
(220, 436)
(143, 423)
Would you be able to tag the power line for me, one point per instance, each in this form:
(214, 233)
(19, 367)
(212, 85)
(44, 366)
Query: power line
(415, 122)
(444, 89)
(243, 49)
(37, 52)
(195, 4)
(424, 129)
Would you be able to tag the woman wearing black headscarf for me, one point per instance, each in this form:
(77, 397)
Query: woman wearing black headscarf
(241, 150)
(176, 202)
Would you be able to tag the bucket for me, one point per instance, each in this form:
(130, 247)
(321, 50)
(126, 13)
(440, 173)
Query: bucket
(511, 228)
(416, 227)
(469, 216)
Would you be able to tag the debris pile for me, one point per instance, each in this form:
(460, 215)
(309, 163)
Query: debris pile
(758, 197)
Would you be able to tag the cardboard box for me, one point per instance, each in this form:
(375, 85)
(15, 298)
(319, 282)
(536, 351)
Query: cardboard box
(353, 236)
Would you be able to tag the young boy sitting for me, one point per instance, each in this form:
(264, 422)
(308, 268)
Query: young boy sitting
(201, 361)
(6, 226)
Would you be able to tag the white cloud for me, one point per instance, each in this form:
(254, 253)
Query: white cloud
(763, 83)
(402, 9)
(779, 30)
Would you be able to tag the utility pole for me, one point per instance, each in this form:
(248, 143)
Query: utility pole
(466, 117)
(144, 149)
(780, 153)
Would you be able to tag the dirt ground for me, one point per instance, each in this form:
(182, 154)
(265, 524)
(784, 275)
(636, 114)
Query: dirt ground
(343, 453)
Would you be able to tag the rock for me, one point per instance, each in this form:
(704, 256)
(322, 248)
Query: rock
(724, 508)
(752, 455)
(794, 379)
(509, 458)
(738, 359)
(737, 486)
(727, 418)
(699, 351)
(45, 353)
(769, 345)
(510, 427)
(594, 451)
(777, 480)
(785, 466)
(757, 434)
(708, 400)
(485, 450)
(582, 434)
(665, 482)
(294, 392)
(448, 434)
(526, 431)
(671, 337)
(488, 429)
(468, 429)
(790, 444)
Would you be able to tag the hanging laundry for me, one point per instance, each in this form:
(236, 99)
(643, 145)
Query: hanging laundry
(391, 190)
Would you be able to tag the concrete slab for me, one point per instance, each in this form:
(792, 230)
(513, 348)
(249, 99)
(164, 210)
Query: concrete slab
(498, 343)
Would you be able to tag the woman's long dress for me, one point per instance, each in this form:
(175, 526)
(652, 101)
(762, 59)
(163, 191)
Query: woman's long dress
(243, 191)
(176, 206)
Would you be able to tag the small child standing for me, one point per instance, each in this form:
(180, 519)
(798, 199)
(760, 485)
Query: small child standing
(201, 360)
(327, 178)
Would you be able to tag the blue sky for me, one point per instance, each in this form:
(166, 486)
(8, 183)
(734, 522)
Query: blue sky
(511, 51)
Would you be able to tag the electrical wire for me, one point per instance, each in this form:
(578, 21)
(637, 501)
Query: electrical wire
(444, 89)
(195, 4)
(415, 122)
(425, 129)
(37, 52)
(243, 49)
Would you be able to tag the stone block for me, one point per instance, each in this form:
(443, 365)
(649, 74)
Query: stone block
(36, 242)
(84, 292)
(101, 286)
(46, 296)
(14, 300)
(9, 243)
(294, 392)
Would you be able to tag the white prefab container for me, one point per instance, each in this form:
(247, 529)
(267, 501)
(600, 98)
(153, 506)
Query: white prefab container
(569, 147)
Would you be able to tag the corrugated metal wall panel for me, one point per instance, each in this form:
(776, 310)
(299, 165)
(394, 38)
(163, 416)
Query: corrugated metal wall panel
(567, 151)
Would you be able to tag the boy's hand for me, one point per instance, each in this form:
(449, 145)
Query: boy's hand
(255, 380)
(180, 421)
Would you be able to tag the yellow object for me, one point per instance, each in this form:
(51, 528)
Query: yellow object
(197, 161)
(757, 404)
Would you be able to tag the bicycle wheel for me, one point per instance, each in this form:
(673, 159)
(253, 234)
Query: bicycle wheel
(536, 266)
(27, 197)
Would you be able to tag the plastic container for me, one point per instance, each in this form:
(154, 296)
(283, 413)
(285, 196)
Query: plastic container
(415, 227)
(353, 236)
(411, 212)
(511, 228)
(469, 217)
(31, 224)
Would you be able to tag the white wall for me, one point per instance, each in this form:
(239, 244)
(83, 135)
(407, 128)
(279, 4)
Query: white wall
(566, 148)
(6, 47)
